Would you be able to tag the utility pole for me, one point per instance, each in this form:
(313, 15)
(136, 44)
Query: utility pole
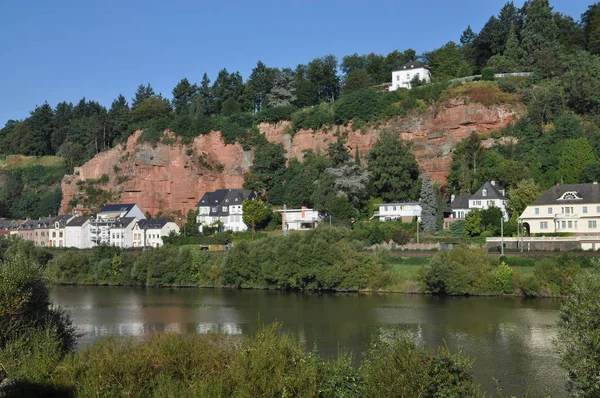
(502, 235)
(284, 221)
(417, 230)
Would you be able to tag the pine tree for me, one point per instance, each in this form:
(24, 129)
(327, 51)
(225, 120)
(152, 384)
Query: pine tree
(142, 93)
(429, 206)
(539, 34)
(357, 157)
(183, 93)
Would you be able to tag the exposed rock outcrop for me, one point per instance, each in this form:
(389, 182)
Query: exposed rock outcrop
(172, 178)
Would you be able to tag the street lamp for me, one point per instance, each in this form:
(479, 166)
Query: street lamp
(502, 235)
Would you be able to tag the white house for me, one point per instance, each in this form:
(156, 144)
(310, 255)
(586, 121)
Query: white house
(121, 232)
(153, 230)
(573, 208)
(301, 219)
(488, 195)
(223, 207)
(103, 222)
(400, 211)
(57, 232)
(77, 233)
(414, 69)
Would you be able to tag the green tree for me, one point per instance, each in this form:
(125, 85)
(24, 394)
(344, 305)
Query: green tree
(183, 94)
(578, 337)
(203, 103)
(356, 80)
(394, 170)
(447, 62)
(522, 195)
(283, 92)
(577, 154)
(117, 121)
(269, 163)
(337, 150)
(40, 124)
(151, 108)
(142, 93)
(591, 28)
(581, 82)
(259, 85)
(429, 206)
(540, 37)
(473, 223)
(254, 212)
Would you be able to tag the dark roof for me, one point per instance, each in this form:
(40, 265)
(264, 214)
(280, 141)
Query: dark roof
(493, 192)
(150, 223)
(460, 202)
(414, 65)
(61, 219)
(583, 193)
(123, 222)
(78, 221)
(42, 222)
(224, 198)
(118, 207)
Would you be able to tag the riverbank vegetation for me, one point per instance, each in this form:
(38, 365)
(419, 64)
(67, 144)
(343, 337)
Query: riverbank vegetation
(37, 358)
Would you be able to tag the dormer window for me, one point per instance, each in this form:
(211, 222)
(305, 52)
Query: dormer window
(571, 195)
(484, 192)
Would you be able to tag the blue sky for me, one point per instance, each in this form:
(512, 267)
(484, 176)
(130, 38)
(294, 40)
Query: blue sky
(67, 49)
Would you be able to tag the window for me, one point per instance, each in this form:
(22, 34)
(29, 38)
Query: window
(584, 210)
(484, 192)
(537, 211)
(597, 209)
(224, 208)
(544, 225)
(54, 234)
(60, 234)
(549, 210)
(592, 224)
(570, 224)
(397, 78)
(563, 224)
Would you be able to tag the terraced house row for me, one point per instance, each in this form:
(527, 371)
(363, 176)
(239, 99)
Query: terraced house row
(122, 225)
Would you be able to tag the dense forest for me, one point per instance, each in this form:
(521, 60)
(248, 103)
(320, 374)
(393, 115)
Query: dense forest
(557, 141)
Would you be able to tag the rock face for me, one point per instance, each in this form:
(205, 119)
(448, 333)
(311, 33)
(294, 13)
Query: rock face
(170, 179)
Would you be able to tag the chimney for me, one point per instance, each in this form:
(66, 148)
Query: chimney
(493, 183)
(303, 213)
(452, 198)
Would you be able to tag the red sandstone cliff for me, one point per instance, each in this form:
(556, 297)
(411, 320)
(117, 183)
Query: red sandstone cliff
(172, 178)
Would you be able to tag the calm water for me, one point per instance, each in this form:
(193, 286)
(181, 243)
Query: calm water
(509, 339)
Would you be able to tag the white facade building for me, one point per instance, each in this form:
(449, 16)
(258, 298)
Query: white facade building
(153, 230)
(413, 69)
(404, 212)
(121, 232)
(57, 231)
(101, 225)
(77, 233)
(301, 219)
(488, 195)
(572, 208)
(223, 208)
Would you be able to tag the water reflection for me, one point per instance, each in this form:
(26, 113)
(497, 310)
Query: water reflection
(510, 339)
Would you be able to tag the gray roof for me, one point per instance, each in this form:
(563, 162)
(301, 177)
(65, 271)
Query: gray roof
(493, 192)
(413, 65)
(583, 193)
(62, 220)
(42, 223)
(124, 207)
(78, 221)
(150, 223)
(123, 222)
(224, 198)
(460, 202)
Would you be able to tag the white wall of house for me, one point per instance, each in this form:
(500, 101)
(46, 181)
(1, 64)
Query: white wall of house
(397, 211)
(153, 236)
(484, 204)
(401, 78)
(300, 219)
(459, 213)
(78, 236)
(231, 222)
(57, 237)
(122, 236)
(574, 218)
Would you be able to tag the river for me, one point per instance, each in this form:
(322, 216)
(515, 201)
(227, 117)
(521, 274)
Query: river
(508, 338)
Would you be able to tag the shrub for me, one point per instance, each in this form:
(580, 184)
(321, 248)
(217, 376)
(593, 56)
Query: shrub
(487, 74)
(484, 92)
(579, 336)
(463, 270)
(274, 115)
(312, 118)
(395, 367)
(504, 278)
(25, 303)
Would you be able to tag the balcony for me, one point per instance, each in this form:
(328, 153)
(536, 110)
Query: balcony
(566, 216)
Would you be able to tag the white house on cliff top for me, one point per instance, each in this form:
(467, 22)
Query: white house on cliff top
(401, 78)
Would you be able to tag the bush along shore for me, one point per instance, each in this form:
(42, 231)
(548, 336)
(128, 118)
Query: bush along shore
(328, 259)
(38, 357)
